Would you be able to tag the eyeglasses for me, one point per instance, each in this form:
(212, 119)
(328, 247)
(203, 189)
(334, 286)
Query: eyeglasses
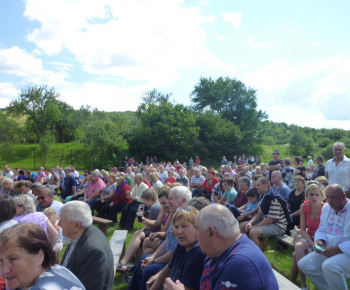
(185, 208)
(314, 182)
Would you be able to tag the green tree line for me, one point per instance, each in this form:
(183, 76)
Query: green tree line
(223, 119)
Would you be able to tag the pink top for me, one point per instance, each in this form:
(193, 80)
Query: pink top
(99, 184)
(312, 225)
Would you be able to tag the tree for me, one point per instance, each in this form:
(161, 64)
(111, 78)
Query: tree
(217, 137)
(236, 103)
(300, 144)
(165, 129)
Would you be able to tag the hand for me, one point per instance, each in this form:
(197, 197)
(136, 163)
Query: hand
(170, 285)
(331, 251)
(151, 281)
(241, 217)
(102, 200)
(153, 236)
(248, 227)
(111, 203)
(146, 262)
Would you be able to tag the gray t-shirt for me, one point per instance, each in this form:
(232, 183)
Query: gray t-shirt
(57, 278)
(154, 211)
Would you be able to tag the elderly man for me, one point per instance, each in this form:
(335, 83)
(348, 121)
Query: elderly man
(93, 190)
(278, 185)
(275, 211)
(329, 267)
(162, 174)
(152, 264)
(274, 164)
(182, 178)
(196, 180)
(231, 255)
(46, 200)
(338, 168)
(89, 255)
(129, 212)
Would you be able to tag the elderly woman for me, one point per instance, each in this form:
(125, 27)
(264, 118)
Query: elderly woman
(310, 212)
(7, 212)
(155, 182)
(26, 213)
(184, 265)
(28, 261)
(107, 193)
(8, 187)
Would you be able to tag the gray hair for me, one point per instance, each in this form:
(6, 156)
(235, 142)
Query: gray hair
(199, 202)
(339, 144)
(182, 192)
(96, 173)
(26, 201)
(244, 179)
(278, 173)
(220, 218)
(36, 185)
(78, 211)
(9, 180)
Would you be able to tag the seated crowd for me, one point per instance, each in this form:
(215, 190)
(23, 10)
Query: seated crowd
(216, 219)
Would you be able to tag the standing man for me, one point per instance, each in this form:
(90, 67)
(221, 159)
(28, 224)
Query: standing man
(309, 161)
(319, 170)
(230, 255)
(275, 164)
(70, 184)
(338, 169)
(89, 255)
(329, 268)
(224, 161)
(288, 173)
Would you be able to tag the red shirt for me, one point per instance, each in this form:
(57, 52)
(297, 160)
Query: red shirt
(197, 160)
(240, 199)
(147, 183)
(120, 194)
(170, 180)
(210, 188)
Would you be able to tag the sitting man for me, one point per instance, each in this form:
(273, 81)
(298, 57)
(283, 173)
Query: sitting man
(89, 255)
(231, 256)
(196, 182)
(182, 178)
(278, 185)
(46, 200)
(329, 268)
(275, 211)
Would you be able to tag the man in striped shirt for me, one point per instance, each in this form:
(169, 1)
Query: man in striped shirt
(274, 210)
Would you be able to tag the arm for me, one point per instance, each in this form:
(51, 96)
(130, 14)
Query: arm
(52, 233)
(109, 196)
(296, 213)
(157, 281)
(154, 223)
(128, 195)
(274, 167)
(303, 232)
(74, 188)
(253, 220)
(96, 193)
(223, 199)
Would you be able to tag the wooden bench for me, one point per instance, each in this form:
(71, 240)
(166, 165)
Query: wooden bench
(285, 239)
(117, 244)
(284, 283)
(102, 224)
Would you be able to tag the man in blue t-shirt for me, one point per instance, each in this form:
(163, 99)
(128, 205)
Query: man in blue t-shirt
(275, 164)
(234, 261)
(70, 184)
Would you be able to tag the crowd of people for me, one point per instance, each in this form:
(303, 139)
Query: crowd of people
(204, 228)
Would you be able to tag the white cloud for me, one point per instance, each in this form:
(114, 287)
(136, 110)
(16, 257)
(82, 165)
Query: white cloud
(232, 17)
(313, 44)
(220, 37)
(134, 40)
(251, 41)
(18, 62)
(8, 90)
(317, 90)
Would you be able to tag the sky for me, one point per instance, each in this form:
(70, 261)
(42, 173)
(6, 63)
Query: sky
(108, 53)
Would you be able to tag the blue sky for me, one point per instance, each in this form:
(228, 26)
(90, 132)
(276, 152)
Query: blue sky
(108, 53)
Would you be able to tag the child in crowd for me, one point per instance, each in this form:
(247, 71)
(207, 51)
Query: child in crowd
(252, 196)
(53, 218)
(230, 193)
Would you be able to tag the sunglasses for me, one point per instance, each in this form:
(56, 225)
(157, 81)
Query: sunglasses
(314, 182)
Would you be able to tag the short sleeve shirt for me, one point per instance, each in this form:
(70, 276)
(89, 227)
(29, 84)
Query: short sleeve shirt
(231, 195)
(273, 162)
(339, 174)
(98, 185)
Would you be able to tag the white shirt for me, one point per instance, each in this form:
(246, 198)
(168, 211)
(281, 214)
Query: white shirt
(163, 176)
(75, 174)
(339, 174)
(56, 205)
(310, 163)
(9, 174)
(335, 229)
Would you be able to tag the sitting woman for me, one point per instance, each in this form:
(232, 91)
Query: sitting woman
(187, 261)
(310, 212)
(154, 180)
(171, 178)
(7, 212)
(295, 200)
(107, 196)
(217, 192)
(28, 261)
(209, 183)
(160, 223)
(8, 187)
(26, 213)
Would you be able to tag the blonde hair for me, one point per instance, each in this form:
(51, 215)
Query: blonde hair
(187, 214)
(51, 213)
(313, 186)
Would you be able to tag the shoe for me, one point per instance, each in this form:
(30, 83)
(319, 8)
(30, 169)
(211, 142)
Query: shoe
(130, 268)
(127, 279)
(122, 268)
